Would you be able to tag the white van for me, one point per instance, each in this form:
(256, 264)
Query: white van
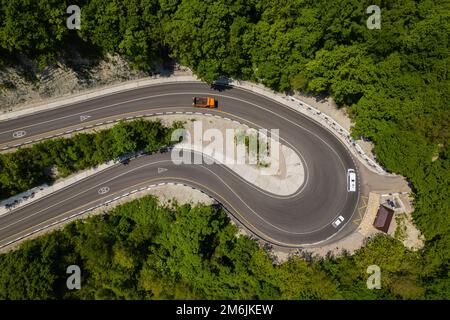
(351, 180)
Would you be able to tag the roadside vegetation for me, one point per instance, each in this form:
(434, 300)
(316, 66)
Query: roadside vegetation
(30, 167)
(256, 146)
(141, 250)
(394, 82)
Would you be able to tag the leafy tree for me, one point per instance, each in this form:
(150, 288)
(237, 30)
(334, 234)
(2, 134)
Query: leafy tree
(35, 28)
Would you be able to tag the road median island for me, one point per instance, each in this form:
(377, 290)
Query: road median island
(288, 177)
(282, 173)
(49, 160)
(36, 193)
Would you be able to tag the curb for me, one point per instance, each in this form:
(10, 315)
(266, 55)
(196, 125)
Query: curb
(38, 192)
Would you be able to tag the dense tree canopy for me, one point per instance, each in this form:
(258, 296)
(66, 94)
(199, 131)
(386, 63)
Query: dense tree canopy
(34, 28)
(141, 250)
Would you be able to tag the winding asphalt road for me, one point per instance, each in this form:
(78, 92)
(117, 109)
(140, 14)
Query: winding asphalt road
(302, 218)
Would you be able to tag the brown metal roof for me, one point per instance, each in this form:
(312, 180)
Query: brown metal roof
(383, 219)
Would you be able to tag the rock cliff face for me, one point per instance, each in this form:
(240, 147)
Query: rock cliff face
(24, 83)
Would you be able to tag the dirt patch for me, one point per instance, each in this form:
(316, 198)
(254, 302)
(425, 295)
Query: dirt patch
(402, 226)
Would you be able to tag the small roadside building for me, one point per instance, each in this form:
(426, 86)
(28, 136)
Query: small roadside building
(383, 218)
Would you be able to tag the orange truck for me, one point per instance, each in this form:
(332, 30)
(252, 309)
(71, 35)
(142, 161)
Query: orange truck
(203, 102)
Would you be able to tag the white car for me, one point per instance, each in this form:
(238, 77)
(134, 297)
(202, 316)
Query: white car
(351, 180)
(338, 221)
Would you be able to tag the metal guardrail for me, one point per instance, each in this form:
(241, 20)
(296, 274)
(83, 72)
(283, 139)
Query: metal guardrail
(313, 113)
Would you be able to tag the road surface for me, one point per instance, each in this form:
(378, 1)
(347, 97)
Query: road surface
(302, 218)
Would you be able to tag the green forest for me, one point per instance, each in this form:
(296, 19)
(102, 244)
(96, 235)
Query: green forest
(30, 167)
(141, 250)
(393, 81)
